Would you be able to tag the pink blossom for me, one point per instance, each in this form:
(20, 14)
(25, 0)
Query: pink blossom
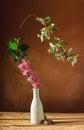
(32, 78)
(21, 66)
(49, 32)
(25, 62)
(58, 50)
(49, 50)
(38, 36)
(48, 122)
(27, 72)
(36, 85)
(25, 67)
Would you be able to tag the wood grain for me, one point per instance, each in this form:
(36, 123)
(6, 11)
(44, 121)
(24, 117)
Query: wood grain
(21, 121)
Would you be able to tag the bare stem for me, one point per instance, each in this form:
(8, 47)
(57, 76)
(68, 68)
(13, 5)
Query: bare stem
(26, 19)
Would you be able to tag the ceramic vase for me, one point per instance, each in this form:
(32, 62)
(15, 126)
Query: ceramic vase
(36, 109)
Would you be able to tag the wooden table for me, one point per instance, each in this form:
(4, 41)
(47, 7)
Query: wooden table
(21, 121)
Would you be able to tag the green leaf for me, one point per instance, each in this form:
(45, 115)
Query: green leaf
(15, 59)
(70, 50)
(74, 61)
(52, 50)
(45, 117)
(53, 27)
(61, 43)
(52, 47)
(52, 44)
(44, 21)
(12, 45)
(55, 39)
(17, 40)
(39, 19)
(42, 37)
(12, 52)
(44, 34)
(21, 55)
(42, 121)
(47, 36)
(58, 56)
(47, 20)
(23, 47)
(63, 57)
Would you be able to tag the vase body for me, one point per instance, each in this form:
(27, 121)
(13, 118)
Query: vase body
(36, 109)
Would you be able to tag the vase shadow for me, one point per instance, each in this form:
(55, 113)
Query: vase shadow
(66, 121)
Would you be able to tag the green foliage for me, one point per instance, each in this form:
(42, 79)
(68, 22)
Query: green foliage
(47, 20)
(56, 45)
(52, 27)
(12, 45)
(17, 49)
(44, 21)
(45, 118)
(61, 43)
(44, 34)
(22, 47)
(12, 52)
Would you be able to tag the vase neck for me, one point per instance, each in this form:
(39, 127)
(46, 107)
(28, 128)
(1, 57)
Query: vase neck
(35, 93)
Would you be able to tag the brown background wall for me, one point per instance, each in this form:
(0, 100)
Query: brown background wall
(63, 86)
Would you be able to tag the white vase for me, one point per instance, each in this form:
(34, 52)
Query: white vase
(36, 109)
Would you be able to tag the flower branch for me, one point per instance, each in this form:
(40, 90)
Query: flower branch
(56, 45)
(26, 70)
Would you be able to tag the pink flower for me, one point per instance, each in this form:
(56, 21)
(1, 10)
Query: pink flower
(32, 78)
(49, 32)
(36, 85)
(48, 122)
(25, 67)
(21, 66)
(25, 62)
(27, 72)
(49, 50)
(38, 35)
(58, 50)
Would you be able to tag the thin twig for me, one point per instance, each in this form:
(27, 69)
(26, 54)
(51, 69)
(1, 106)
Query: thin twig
(26, 19)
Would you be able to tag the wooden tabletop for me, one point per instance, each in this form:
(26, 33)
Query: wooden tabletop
(21, 121)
